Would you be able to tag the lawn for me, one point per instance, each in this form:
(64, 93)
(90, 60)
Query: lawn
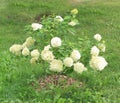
(16, 73)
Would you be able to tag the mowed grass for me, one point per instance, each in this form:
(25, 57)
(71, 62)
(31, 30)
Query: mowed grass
(16, 73)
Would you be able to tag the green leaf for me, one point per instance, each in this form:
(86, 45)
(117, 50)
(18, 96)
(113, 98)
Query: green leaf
(68, 70)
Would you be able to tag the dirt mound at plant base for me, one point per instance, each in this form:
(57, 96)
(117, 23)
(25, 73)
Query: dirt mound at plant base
(57, 80)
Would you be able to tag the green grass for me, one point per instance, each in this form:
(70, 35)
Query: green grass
(16, 73)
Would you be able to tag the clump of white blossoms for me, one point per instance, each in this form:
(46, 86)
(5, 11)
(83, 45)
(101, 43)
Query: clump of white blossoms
(25, 51)
(98, 63)
(59, 18)
(35, 56)
(47, 55)
(47, 47)
(16, 49)
(35, 53)
(75, 55)
(73, 22)
(28, 43)
(56, 42)
(97, 37)
(33, 60)
(74, 11)
(68, 61)
(60, 57)
(94, 51)
(56, 65)
(36, 26)
(79, 67)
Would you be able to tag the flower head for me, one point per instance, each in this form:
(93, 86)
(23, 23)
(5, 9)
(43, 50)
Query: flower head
(74, 11)
(59, 18)
(102, 47)
(79, 67)
(56, 65)
(68, 62)
(25, 51)
(56, 42)
(75, 55)
(73, 23)
(35, 53)
(16, 49)
(97, 37)
(33, 60)
(29, 42)
(36, 26)
(98, 63)
(94, 51)
(47, 55)
(47, 47)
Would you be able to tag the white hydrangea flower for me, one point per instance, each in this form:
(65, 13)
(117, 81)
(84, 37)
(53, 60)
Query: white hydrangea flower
(73, 22)
(25, 51)
(56, 65)
(24, 45)
(35, 53)
(102, 47)
(94, 51)
(98, 63)
(75, 55)
(97, 37)
(29, 42)
(68, 61)
(36, 26)
(59, 18)
(56, 42)
(74, 11)
(79, 67)
(47, 55)
(16, 49)
(47, 47)
(33, 60)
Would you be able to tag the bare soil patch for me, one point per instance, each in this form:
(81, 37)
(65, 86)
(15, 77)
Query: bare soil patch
(57, 80)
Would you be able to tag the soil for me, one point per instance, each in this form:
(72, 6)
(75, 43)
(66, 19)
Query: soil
(57, 80)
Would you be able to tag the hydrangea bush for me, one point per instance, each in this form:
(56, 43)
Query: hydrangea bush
(48, 43)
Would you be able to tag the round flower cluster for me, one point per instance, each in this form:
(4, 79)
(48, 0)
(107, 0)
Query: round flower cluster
(35, 53)
(25, 51)
(94, 51)
(36, 26)
(59, 18)
(75, 55)
(47, 55)
(73, 22)
(35, 56)
(16, 49)
(102, 47)
(79, 67)
(28, 43)
(68, 61)
(97, 37)
(56, 42)
(74, 11)
(56, 65)
(98, 63)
